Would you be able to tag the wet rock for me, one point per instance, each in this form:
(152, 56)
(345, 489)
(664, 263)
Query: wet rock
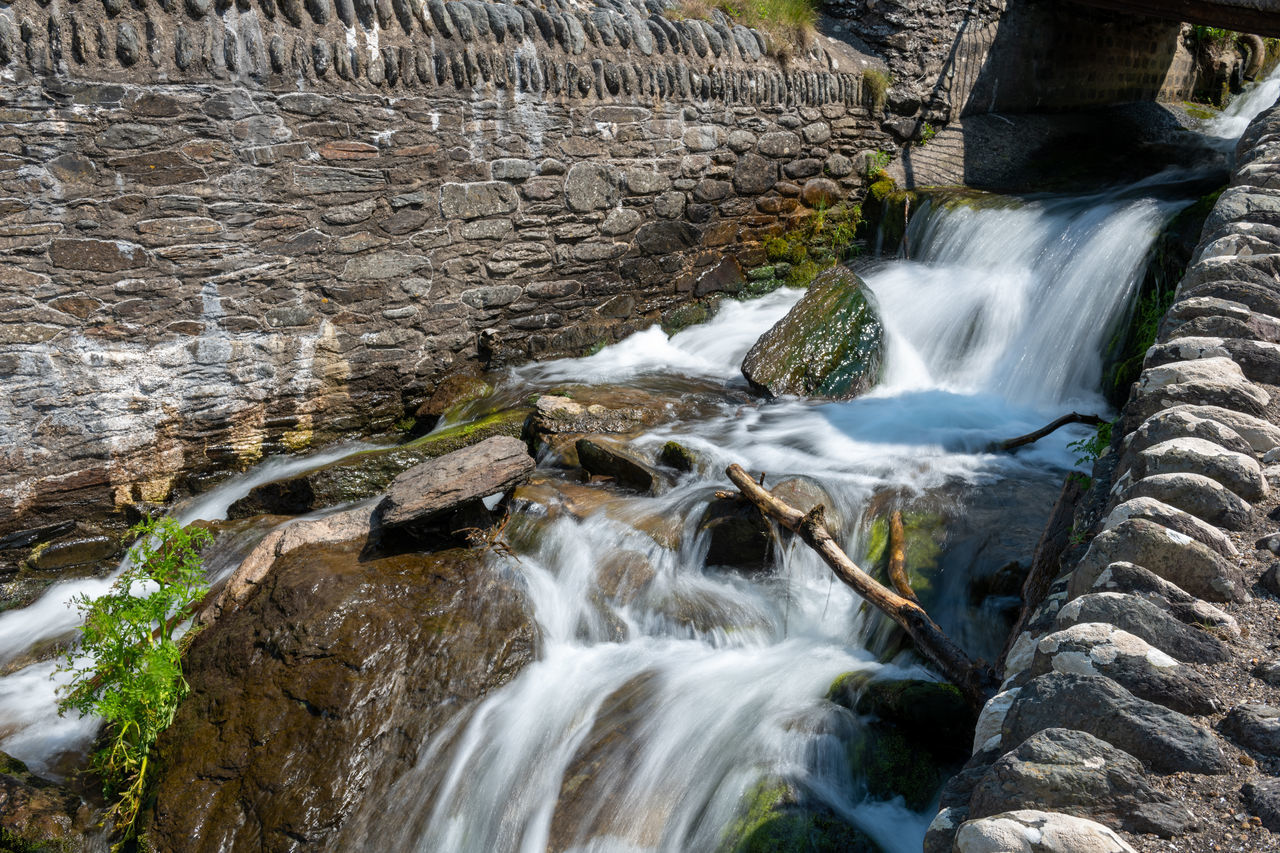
(555, 415)
(1097, 648)
(1198, 495)
(348, 526)
(370, 472)
(1075, 773)
(1240, 473)
(454, 390)
(775, 818)
(675, 455)
(75, 550)
(621, 575)
(310, 701)
(1175, 519)
(1144, 619)
(1255, 727)
(1032, 831)
(607, 458)
(39, 816)
(1174, 556)
(1165, 740)
(738, 536)
(1262, 798)
(831, 344)
(424, 492)
(1181, 605)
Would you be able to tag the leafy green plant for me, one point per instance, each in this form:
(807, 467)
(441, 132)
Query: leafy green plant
(927, 133)
(127, 668)
(1216, 35)
(878, 162)
(1091, 447)
(817, 242)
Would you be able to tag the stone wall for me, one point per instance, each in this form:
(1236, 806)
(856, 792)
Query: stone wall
(236, 229)
(1141, 699)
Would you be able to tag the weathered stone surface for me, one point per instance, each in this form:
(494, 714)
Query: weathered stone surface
(1261, 435)
(1098, 648)
(334, 662)
(1128, 578)
(1254, 726)
(1175, 519)
(1195, 494)
(1032, 831)
(1165, 740)
(1174, 556)
(97, 255)
(1140, 617)
(1184, 422)
(829, 345)
(430, 488)
(590, 186)
(1075, 773)
(476, 200)
(1240, 473)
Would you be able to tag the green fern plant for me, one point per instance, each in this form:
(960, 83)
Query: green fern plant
(127, 667)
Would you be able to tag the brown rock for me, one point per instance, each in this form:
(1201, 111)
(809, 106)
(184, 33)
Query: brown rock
(427, 490)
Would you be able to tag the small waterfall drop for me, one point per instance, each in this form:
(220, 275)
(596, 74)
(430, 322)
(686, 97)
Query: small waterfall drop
(1245, 107)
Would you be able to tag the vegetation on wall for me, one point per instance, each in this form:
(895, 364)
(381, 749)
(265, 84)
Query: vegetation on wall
(787, 24)
(127, 668)
(814, 243)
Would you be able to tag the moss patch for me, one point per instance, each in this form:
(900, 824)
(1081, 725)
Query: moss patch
(814, 243)
(773, 822)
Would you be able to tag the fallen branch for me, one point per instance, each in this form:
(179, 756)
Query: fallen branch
(975, 682)
(898, 558)
(1073, 418)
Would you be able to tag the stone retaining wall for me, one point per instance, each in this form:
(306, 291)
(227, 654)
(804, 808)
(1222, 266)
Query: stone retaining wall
(234, 229)
(1140, 699)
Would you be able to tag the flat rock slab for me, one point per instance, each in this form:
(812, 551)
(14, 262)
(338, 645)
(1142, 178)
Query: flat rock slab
(1078, 774)
(1032, 831)
(427, 490)
(1166, 741)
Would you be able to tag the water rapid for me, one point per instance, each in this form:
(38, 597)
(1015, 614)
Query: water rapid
(1245, 107)
(667, 690)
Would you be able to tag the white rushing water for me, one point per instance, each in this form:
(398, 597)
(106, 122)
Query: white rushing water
(657, 711)
(1245, 107)
(647, 720)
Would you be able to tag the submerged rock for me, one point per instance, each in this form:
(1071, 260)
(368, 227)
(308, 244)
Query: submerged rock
(318, 694)
(609, 458)
(370, 472)
(831, 344)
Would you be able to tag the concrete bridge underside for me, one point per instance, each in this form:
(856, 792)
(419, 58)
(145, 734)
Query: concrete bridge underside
(1261, 17)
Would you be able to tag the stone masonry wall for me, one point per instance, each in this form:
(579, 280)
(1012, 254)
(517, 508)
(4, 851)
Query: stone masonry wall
(235, 229)
(1142, 700)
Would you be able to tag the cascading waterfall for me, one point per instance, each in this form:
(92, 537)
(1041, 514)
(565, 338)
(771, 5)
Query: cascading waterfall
(1245, 107)
(645, 723)
(649, 716)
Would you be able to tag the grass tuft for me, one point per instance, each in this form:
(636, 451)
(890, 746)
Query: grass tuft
(787, 24)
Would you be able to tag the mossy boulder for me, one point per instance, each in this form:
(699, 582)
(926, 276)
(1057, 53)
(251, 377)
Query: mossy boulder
(452, 393)
(774, 820)
(370, 472)
(915, 735)
(830, 345)
(39, 816)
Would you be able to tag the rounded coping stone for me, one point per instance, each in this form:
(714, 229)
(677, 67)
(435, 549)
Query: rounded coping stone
(1032, 831)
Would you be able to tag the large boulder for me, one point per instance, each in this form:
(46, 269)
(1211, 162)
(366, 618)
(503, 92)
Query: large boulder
(313, 698)
(1165, 740)
(831, 344)
(1197, 495)
(1143, 619)
(426, 491)
(1076, 773)
(369, 472)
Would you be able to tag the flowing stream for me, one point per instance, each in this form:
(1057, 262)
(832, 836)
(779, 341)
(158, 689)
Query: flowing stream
(661, 699)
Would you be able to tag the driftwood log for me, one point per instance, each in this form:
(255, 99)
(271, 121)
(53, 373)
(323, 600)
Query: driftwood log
(898, 558)
(1073, 418)
(974, 681)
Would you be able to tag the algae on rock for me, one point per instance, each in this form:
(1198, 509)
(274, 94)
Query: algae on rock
(831, 344)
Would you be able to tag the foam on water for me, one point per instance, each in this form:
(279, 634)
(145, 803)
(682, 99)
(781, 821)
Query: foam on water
(1245, 107)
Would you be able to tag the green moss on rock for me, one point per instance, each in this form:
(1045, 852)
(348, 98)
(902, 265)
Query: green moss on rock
(772, 821)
